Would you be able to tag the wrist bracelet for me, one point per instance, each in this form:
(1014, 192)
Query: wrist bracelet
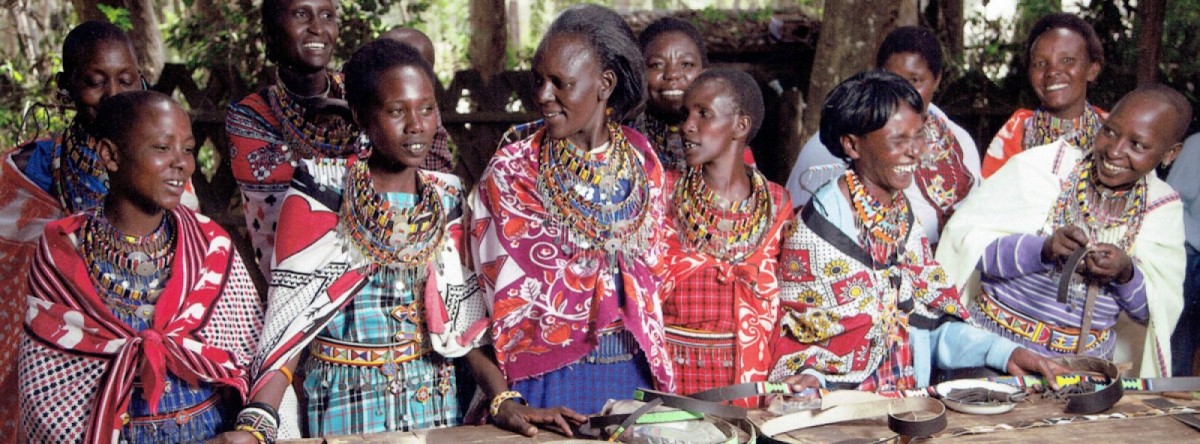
(287, 374)
(257, 434)
(262, 423)
(505, 396)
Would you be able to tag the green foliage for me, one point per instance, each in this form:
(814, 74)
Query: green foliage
(117, 15)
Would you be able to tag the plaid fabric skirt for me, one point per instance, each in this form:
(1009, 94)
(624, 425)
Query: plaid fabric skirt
(348, 400)
(612, 370)
(702, 360)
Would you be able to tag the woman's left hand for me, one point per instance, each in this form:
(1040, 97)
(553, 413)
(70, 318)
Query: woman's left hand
(1106, 263)
(1024, 361)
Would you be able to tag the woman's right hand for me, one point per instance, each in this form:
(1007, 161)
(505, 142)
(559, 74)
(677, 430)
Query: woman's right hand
(1062, 243)
(519, 418)
(802, 381)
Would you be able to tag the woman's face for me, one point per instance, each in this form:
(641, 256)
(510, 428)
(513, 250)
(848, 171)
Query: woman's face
(112, 70)
(1059, 71)
(402, 122)
(156, 159)
(916, 70)
(713, 124)
(1134, 140)
(309, 32)
(571, 89)
(672, 62)
(886, 158)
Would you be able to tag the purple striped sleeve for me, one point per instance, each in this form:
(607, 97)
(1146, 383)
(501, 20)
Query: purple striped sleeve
(1014, 255)
(1131, 296)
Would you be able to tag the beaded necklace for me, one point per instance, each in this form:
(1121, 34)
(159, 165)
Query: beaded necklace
(130, 271)
(881, 229)
(1044, 128)
(600, 198)
(716, 227)
(307, 138)
(1106, 216)
(404, 238)
(79, 175)
(667, 140)
(942, 174)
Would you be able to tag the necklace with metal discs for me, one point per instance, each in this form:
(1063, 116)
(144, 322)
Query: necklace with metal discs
(130, 270)
(388, 235)
(728, 231)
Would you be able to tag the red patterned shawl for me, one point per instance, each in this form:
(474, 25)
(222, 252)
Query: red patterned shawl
(753, 284)
(204, 329)
(548, 304)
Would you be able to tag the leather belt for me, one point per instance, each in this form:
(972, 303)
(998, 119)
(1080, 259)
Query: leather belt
(1101, 399)
(1064, 289)
(917, 416)
(1060, 339)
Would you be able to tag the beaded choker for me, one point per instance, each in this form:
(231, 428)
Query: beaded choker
(1106, 216)
(130, 270)
(712, 225)
(668, 142)
(881, 229)
(79, 175)
(600, 198)
(307, 138)
(405, 238)
(1044, 128)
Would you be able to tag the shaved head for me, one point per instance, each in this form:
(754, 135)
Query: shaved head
(414, 38)
(1181, 115)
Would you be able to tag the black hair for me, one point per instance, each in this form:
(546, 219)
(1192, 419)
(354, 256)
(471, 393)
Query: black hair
(668, 25)
(80, 45)
(613, 45)
(123, 112)
(364, 68)
(744, 91)
(912, 40)
(863, 103)
(1182, 109)
(1071, 22)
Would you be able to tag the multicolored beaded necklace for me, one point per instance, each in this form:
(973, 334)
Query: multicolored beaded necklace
(130, 271)
(308, 139)
(667, 140)
(601, 198)
(881, 229)
(942, 176)
(79, 175)
(1106, 216)
(388, 236)
(1044, 128)
(714, 226)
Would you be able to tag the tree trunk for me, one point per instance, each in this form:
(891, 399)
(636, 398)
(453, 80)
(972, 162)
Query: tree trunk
(946, 17)
(486, 51)
(1150, 16)
(851, 31)
(87, 10)
(147, 40)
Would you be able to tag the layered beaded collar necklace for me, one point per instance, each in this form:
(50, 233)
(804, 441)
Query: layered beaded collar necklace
(130, 270)
(600, 198)
(79, 175)
(1044, 128)
(388, 236)
(881, 229)
(942, 174)
(1107, 216)
(727, 231)
(668, 142)
(308, 139)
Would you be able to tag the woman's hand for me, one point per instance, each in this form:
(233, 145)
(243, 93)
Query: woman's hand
(1024, 361)
(1062, 243)
(1106, 263)
(236, 437)
(802, 381)
(519, 418)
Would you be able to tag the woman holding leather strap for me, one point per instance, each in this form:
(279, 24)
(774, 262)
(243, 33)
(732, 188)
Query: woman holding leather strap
(865, 306)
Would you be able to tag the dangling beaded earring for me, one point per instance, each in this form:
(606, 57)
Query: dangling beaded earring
(363, 151)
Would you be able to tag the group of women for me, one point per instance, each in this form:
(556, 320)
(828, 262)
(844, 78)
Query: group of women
(593, 257)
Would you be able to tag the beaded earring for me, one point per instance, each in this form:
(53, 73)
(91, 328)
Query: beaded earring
(364, 146)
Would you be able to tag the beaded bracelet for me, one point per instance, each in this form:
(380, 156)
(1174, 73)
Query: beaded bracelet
(505, 396)
(287, 374)
(261, 420)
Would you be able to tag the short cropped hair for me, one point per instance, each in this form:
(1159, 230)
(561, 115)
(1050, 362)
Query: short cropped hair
(863, 103)
(1071, 22)
(667, 25)
(80, 45)
(1168, 96)
(912, 40)
(123, 112)
(613, 45)
(744, 91)
(367, 64)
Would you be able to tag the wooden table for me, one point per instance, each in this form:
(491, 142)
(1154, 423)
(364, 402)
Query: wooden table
(1148, 429)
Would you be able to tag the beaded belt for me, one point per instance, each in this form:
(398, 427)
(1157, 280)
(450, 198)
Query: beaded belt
(1059, 339)
(363, 355)
(698, 338)
(178, 417)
